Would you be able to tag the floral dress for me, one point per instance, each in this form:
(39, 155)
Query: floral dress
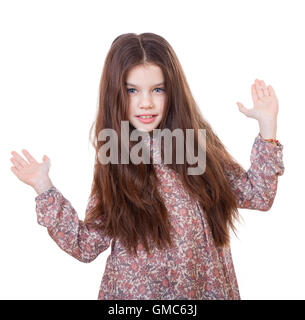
(194, 268)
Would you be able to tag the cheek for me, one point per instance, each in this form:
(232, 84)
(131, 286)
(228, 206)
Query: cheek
(162, 109)
(129, 117)
(162, 104)
(130, 110)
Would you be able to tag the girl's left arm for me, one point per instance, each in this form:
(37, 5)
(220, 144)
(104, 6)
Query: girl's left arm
(256, 188)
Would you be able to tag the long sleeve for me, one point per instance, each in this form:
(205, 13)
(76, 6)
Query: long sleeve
(71, 234)
(256, 188)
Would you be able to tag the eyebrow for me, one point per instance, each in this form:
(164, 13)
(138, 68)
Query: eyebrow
(134, 85)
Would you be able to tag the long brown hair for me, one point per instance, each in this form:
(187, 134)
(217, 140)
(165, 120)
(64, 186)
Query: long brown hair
(128, 204)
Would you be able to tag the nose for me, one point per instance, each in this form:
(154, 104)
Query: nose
(147, 106)
(146, 101)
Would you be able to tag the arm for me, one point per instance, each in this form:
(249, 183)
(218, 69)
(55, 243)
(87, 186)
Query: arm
(56, 213)
(71, 234)
(256, 188)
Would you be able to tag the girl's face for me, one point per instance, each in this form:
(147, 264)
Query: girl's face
(146, 96)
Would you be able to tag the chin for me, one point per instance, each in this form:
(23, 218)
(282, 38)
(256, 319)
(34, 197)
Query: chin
(146, 129)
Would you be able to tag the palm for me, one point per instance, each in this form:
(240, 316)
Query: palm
(31, 171)
(265, 103)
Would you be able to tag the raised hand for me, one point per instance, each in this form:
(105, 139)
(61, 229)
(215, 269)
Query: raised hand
(265, 108)
(32, 172)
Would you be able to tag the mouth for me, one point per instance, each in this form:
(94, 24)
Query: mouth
(147, 118)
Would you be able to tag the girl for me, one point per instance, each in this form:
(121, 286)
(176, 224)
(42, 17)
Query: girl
(169, 231)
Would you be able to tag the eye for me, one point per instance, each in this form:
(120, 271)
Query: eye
(160, 89)
(130, 89)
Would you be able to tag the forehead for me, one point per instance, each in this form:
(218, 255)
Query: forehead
(145, 75)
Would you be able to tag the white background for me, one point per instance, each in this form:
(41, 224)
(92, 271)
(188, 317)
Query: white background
(52, 54)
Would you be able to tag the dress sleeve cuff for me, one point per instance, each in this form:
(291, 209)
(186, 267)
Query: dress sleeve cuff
(46, 193)
(48, 205)
(268, 156)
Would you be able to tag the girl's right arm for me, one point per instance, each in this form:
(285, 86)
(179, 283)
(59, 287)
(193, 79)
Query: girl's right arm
(56, 213)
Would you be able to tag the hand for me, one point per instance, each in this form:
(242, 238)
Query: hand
(32, 173)
(265, 102)
(265, 108)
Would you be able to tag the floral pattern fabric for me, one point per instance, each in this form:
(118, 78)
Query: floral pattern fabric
(194, 268)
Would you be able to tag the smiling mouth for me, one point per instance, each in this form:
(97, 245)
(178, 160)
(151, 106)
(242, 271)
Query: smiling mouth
(147, 116)
(147, 119)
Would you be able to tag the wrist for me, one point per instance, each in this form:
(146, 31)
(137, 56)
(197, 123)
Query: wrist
(268, 128)
(43, 185)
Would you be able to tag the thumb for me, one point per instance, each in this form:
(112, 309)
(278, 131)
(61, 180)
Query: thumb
(46, 160)
(243, 109)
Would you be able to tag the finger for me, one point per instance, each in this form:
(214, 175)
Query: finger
(243, 109)
(264, 88)
(271, 91)
(258, 89)
(20, 160)
(15, 170)
(16, 164)
(29, 157)
(254, 93)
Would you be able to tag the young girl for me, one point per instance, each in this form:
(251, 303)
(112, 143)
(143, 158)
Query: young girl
(169, 231)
